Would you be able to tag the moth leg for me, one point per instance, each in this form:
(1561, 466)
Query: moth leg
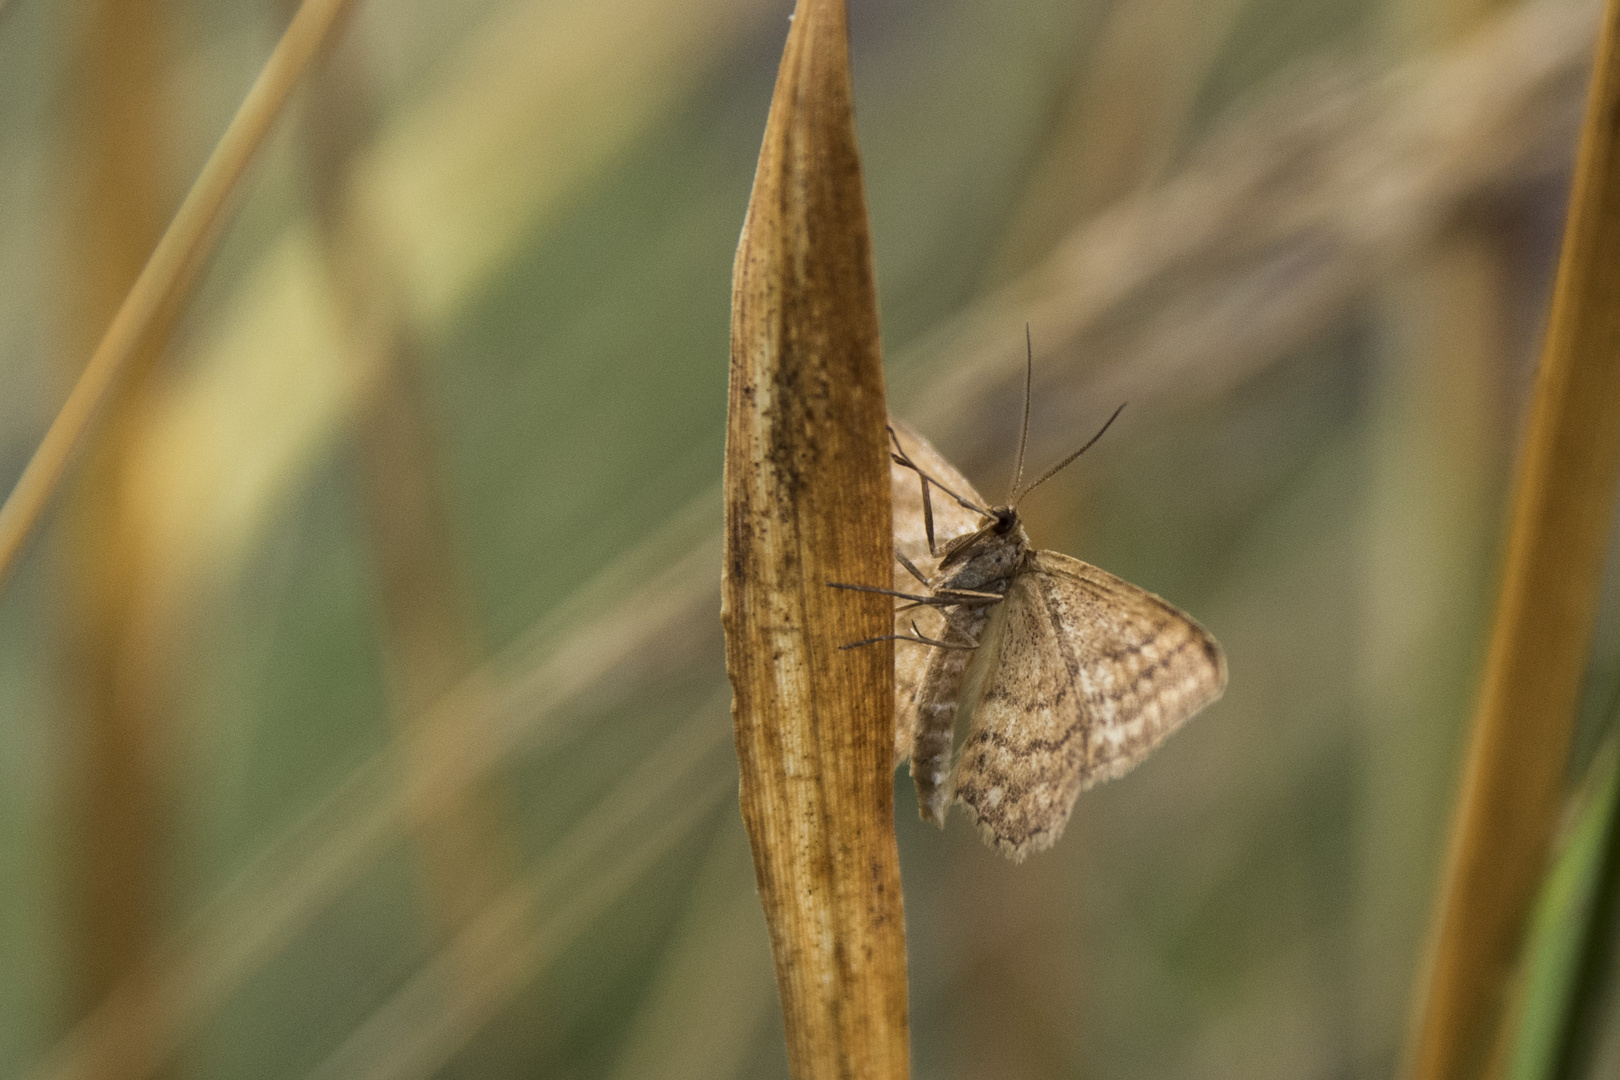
(936, 711)
(968, 597)
(916, 635)
(911, 567)
(928, 516)
(903, 459)
(913, 597)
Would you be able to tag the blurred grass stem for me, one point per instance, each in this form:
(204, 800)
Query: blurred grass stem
(115, 691)
(1564, 498)
(168, 273)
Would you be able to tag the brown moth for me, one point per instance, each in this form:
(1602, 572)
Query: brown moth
(1065, 674)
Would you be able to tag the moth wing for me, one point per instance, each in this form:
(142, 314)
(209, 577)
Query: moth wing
(951, 520)
(1092, 674)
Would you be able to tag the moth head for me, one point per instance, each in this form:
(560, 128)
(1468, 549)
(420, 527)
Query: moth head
(1006, 519)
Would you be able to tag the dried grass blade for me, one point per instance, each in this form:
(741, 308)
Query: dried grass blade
(168, 273)
(807, 502)
(112, 690)
(1514, 778)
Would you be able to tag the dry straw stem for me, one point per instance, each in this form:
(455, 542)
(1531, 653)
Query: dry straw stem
(168, 274)
(807, 502)
(1559, 534)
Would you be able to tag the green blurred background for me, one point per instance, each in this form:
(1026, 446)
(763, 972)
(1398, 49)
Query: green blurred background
(361, 703)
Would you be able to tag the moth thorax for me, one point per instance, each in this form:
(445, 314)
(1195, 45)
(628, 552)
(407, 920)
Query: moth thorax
(993, 559)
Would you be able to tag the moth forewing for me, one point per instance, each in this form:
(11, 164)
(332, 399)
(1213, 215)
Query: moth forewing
(1022, 758)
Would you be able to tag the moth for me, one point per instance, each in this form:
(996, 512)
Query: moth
(1064, 674)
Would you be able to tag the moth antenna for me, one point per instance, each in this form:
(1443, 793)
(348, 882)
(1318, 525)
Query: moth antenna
(1023, 432)
(1060, 466)
(904, 459)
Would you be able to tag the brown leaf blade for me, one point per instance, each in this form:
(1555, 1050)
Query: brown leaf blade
(807, 502)
(1514, 778)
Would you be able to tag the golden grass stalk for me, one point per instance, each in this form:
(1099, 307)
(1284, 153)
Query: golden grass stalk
(807, 502)
(1563, 503)
(118, 809)
(168, 273)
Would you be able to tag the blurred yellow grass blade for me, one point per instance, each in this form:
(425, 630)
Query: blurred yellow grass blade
(276, 384)
(110, 691)
(169, 272)
(1560, 531)
(417, 1031)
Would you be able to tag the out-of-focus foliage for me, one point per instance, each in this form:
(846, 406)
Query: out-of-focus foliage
(530, 227)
